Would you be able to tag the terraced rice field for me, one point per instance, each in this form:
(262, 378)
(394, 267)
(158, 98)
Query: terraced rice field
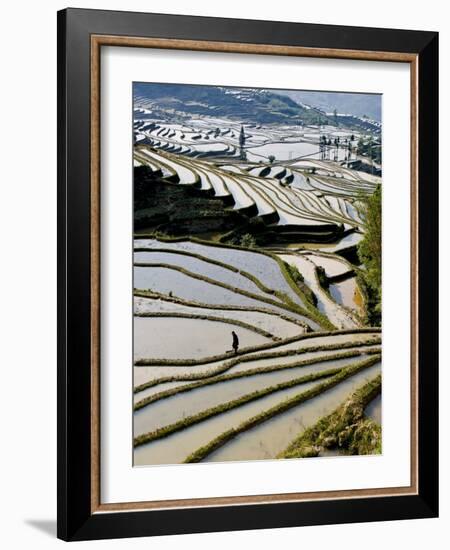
(270, 438)
(191, 388)
(290, 195)
(226, 405)
(295, 304)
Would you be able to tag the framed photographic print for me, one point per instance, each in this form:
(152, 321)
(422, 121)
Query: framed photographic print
(247, 274)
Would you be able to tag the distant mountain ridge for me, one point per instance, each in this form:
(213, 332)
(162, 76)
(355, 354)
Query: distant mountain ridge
(249, 105)
(257, 106)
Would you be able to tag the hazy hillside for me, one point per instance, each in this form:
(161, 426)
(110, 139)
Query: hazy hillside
(245, 104)
(349, 103)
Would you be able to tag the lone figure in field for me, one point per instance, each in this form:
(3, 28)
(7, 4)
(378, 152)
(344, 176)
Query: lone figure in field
(235, 341)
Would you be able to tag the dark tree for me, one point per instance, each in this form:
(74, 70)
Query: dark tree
(242, 137)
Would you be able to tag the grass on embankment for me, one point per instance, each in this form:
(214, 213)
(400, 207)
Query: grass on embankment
(337, 375)
(283, 301)
(346, 429)
(324, 283)
(220, 307)
(229, 405)
(307, 296)
(150, 362)
(202, 317)
(211, 261)
(301, 291)
(217, 377)
(282, 407)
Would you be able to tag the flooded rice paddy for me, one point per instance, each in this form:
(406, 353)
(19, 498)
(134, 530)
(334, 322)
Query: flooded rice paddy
(174, 338)
(273, 436)
(347, 294)
(199, 267)
(373, 410)
(264, 441)
(271, 322)
(172, 409)
(292, 185)
(143, 374)
(176, 447)
(337, 315)
(261, 266)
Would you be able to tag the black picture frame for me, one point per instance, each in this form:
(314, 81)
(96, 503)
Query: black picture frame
(76, 519)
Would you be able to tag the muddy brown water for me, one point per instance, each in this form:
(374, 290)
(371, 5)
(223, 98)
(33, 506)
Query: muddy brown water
(345, 293)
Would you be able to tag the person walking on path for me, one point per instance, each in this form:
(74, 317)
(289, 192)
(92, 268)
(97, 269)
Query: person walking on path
(235, 341)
